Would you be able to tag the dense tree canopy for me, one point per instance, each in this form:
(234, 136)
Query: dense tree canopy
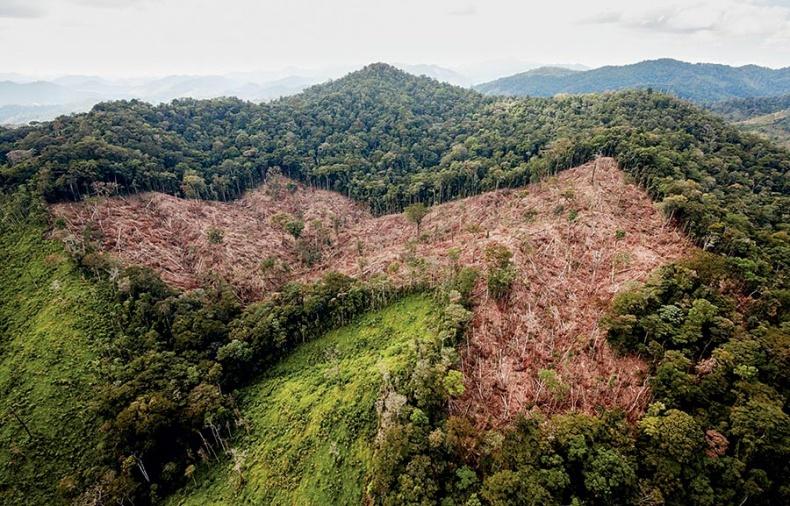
(715, 331)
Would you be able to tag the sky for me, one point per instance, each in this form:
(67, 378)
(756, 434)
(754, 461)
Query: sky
(116, 38)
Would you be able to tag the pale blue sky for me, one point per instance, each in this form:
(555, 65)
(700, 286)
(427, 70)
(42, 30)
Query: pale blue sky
(154, 37)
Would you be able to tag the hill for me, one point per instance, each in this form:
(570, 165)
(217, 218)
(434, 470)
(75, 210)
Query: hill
(539, 384)
(17, 115)
(39, 93)
(700, 82)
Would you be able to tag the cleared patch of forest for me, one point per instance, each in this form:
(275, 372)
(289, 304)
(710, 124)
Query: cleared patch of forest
(311, 421)
(187, 241)
(576, 238)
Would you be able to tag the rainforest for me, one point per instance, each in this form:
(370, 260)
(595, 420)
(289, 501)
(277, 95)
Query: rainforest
(391, 290)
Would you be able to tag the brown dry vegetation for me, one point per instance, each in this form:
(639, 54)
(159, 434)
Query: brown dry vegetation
(563, 232)
(171, 235)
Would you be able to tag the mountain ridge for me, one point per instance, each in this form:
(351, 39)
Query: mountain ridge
(694, 81)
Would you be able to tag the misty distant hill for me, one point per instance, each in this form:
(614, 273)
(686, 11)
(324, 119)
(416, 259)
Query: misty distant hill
(22, 102)
(437, 72)
(39, 93)
(699, 82)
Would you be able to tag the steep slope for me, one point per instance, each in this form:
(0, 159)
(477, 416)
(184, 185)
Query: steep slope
(701, 82)
(578, 238)
(312, 418)
(53, 325)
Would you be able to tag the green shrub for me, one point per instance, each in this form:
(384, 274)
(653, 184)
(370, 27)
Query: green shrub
(214, 236)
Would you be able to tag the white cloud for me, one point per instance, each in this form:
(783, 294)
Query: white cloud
(721, 17)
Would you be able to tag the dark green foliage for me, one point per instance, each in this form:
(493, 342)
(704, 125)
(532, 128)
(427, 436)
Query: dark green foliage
(214, 236)
(415, 214)
(714, 329)
(744, 108)
(572, 458)
(718, 428)
(295, 228)
(678, 311)
(501, 271)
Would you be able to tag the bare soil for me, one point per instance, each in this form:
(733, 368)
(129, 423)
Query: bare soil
(577, 240)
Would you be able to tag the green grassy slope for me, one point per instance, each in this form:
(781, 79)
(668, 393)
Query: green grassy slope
(50, 323)
(312, 418)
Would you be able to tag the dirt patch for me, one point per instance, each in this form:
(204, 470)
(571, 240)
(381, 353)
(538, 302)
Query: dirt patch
(577, 239)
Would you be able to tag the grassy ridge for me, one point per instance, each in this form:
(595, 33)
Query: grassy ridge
(50, 323)
(313, 416)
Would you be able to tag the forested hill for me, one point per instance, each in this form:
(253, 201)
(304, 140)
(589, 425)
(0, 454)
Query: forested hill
(700, 82)
(376, 123)
(159, 396)
(387, 138)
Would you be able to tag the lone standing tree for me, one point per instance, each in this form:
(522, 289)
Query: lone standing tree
(415, 213)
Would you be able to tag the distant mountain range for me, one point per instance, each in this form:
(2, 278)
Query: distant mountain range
(24, 99)
(699, 82)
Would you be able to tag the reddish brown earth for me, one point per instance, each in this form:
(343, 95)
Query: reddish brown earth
(569, 269)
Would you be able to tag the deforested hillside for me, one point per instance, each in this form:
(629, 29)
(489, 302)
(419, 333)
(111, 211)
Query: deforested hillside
(608, 277)
(700, 82)
(577, 239)
(276, 232)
